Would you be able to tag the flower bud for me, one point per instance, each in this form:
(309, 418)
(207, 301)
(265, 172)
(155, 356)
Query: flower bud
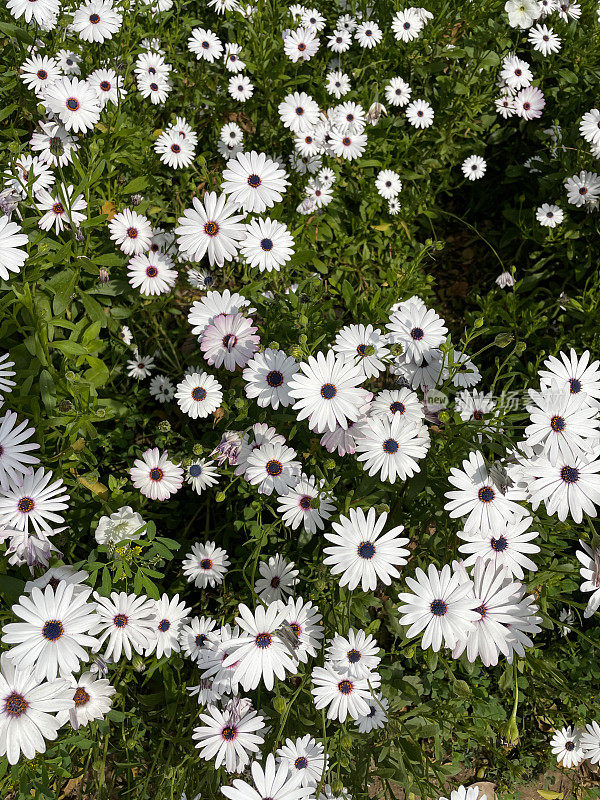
(273, 345)
(219, 497)
(279, 705)
(164, 426)
(198, 450)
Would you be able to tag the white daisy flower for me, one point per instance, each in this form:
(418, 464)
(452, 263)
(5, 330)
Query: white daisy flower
(392, 446)
(268, 244)
(326, 390)
(74, 102)
(33, 502)
(211, 227)
(388, 184)
(205, 45)
(305, 758)
(131, 231)
(278, 579)
(342, 695)
(259, 652)
(125, 524)
(201, 474)
(355, 654)
(228, 738)
(377, 716)
(549, 215)
(566, 746)
(305, 505)
(361, 553)
(57, 626)
(273, 468)
(93, 700)
(126, 623)
(199, 395)
(439, 605)
(194, 636)
(155, 476)
(206, 565)
(152, 274)
(169, 615)
(479, 499)
(28, 710)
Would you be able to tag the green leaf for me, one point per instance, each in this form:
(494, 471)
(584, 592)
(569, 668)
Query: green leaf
(69, 348)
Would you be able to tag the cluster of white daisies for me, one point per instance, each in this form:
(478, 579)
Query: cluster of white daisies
(478, 606)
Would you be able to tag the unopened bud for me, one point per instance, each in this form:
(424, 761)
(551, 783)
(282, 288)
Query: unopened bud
(279, 705)
(164, 426)
(198, 449)
(219, 497)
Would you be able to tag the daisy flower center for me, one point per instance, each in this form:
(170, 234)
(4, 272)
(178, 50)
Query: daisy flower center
(328, 391)
(366, 550)
(263, 640)
(361, 349)
(304, 502)
(266, 244)
(526, 106)
(486, 494)
(120, 620)
(275, 582)
(346, 141)
(206, 563)
(105, 86)
(42, 74)
(25, 505)
(274, 378)
(301, 762)
(94, 19)
(345, 686)
(558, 424)
(229, 341)
(81, 697)
(254, 181)
(200, 640)
(164, 625)
(390, 446)
(301, 47)
(296, 628)
(53, 582)
(419, 113)
(481, 610)
(417, 334)
(574, 386)
(15, 705)
(569, 746)
(53, 630)
(211, 228)
(151, 272)
(478, 414)
(406, 26)
(195, 469)
(57, 208)
(499, 545)
(397, 407)
(156, 474)
(438, 608)
(274, 467)
(199, 393)
(229, 733)
(569, 474)
(583, 190)
(299, 111)
(372, 711)
(132, 233)
(175, 148)
(72, 104)
(354, 656)
(154, 87)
